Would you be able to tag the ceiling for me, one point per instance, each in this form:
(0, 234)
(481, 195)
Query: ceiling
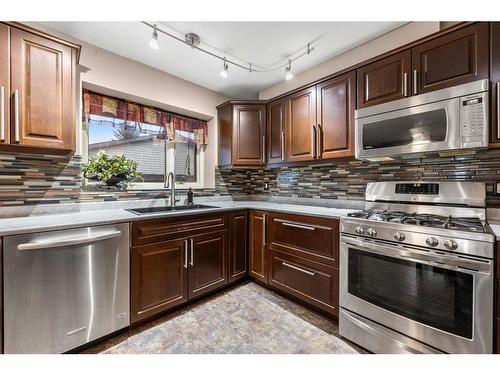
(261, 43)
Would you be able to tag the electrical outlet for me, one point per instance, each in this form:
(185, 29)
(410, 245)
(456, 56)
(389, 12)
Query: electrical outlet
(266, 185)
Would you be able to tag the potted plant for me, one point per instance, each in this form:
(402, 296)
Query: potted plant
(114, 171)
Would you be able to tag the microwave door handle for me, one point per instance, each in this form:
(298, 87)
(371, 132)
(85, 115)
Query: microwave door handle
(420, 257)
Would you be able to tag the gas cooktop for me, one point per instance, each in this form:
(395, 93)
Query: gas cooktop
(470, 224)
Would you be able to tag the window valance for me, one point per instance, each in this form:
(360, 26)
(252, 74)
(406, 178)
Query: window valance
(107, 106)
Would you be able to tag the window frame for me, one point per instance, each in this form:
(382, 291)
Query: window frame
(169, 166)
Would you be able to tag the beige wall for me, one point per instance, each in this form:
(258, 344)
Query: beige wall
(113, 74)
(394, 39)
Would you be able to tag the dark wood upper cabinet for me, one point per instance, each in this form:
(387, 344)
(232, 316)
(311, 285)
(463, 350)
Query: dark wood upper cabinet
(384, 80)
(242, 134)
(276, 117)
(452, 59)
(157, 278)
(42, 92)
(335, 116)
(301, 129)
(257, 245)
(4, 84)
(207, 263)
(238, 245)
(495, 82)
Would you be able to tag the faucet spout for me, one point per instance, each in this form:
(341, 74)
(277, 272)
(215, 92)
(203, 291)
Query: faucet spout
(170, 184)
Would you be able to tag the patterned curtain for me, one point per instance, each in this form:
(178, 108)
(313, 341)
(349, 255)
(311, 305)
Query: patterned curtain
(102, 105)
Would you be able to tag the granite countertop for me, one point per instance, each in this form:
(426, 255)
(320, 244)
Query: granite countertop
(39, 223)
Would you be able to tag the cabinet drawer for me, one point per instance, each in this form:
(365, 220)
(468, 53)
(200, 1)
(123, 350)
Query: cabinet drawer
(156, 230)
(311, 282)
(315, 238)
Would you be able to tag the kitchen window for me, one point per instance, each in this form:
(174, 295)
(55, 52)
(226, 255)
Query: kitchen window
(162, 144)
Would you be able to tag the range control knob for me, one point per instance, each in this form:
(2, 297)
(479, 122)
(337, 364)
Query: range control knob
(432, 241)
(360, 230)
(372, 232)
(399, 236)
(450, 244)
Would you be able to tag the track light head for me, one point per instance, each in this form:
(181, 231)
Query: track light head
(153, 43)
(223, 73)
(288, 71)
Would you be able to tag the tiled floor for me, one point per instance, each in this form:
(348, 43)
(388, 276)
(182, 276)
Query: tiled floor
(245, 319)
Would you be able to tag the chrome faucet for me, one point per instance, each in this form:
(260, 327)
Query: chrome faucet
(170, 184)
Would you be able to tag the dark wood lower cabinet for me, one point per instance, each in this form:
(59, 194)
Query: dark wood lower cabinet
(309, 281)
(158, 278)
(498, 336)
(207, 263)
(238, 245)
(257, 245)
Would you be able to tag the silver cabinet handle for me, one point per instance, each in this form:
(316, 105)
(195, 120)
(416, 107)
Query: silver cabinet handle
(498, 109)
(286, 224)
(314, 141)
(16, 116)
(319, 146)
(191, 261)
(2, 114)
(186, 254)
(415, 77)
(68, 241)
(282, 146)
(264, 230)
(405, 84)
(310, 273)
(264, 149)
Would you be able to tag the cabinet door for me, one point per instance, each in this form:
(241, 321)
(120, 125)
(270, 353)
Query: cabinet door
(384, 80)
(225, 118)
(249, 128)
(495, 83)
(43, 81)
(238, 244)
(276, 114)
(452, 59)
(207, 263)
(4, 85)
(336, 103)
(257, 244)
(158, 278)
(301, 125)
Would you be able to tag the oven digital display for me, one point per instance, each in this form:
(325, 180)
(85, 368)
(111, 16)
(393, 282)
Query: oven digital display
(429, 189)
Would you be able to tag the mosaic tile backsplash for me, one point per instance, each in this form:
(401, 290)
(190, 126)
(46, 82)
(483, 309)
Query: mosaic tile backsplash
(35, 179)
(347, 179)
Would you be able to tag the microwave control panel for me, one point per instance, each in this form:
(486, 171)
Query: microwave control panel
(473, 121)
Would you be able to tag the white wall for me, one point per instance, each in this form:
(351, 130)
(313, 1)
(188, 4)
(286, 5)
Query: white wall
(394, 39)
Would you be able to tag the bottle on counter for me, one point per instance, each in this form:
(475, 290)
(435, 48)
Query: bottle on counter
(190, 196)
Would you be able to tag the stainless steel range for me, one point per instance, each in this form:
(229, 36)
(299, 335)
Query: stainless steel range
(416, 269)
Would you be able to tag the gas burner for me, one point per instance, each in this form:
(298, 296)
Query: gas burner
(470, 224)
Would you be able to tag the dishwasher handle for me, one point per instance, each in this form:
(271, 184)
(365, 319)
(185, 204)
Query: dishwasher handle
(68, 241)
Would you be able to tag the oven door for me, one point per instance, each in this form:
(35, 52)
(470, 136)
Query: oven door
(440, 299)
(428, 127)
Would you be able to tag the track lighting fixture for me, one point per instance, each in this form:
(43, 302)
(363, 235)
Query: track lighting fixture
(288, 71)
(225, 67)
(153, 43)
(193, 40)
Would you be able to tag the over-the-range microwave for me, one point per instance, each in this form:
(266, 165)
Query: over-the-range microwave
(449, 119)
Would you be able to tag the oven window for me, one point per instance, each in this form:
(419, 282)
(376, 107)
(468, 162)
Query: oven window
(434, 296)
(420, 128)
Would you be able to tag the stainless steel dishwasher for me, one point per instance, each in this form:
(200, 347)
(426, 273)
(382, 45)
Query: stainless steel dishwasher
(65, 288)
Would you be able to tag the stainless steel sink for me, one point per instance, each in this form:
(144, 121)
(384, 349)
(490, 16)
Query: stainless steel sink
(152, 210)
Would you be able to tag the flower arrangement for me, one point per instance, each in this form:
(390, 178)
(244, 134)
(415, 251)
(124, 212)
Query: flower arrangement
(114, 171)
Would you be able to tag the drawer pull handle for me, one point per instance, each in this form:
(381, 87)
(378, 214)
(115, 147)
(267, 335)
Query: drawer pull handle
(191, 262)
(186, 254)
(299, 226)
(298, 269)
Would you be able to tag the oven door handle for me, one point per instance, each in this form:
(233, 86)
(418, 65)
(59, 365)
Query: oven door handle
(420, 256)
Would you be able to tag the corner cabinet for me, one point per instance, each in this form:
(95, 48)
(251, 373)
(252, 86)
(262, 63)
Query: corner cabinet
(242, 134)
(257, 246)
(238, 245)
(37, 82)
(276, 122)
